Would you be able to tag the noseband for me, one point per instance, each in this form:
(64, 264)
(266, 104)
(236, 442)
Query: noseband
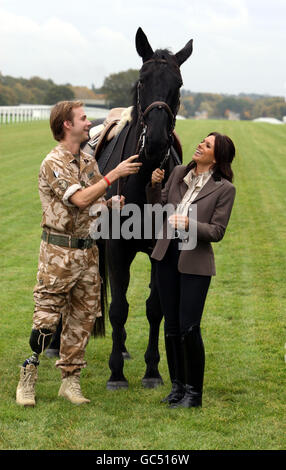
(159, 105)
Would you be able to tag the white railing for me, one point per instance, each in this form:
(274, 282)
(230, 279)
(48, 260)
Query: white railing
(11, 114)
(96, 113)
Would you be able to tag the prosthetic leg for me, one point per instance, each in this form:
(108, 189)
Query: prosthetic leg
(25, 394)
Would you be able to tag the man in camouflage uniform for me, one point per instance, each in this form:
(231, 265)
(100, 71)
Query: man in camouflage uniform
(68, 280)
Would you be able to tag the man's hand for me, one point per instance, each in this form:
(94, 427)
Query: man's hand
(116, 202)
(84, 197)
(127, 167)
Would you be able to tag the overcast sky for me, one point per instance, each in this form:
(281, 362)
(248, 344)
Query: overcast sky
(239, 45)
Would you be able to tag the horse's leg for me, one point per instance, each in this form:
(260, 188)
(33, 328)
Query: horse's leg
(120, 257)
(152, 377)
(125, 353)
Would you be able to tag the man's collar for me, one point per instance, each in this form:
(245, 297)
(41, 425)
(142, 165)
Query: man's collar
(69, 157)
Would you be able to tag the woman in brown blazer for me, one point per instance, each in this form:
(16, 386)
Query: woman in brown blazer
(183, 275)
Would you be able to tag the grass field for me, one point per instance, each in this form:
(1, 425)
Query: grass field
(243, 324)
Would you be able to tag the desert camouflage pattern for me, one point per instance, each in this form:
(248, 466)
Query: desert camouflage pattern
(61, 175)
(68, 279)
(68, 284)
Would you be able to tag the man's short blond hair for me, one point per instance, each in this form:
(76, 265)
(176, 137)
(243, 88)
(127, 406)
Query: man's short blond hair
(61, 112)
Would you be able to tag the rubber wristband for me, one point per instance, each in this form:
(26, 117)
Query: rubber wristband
(107, 181)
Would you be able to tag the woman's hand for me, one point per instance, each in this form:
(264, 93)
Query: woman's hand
(178, 221)
(157, 176)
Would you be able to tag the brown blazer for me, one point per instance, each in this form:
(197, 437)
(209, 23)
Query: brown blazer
(214, 204)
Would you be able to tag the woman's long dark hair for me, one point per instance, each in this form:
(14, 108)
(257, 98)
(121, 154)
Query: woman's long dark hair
(224, 152)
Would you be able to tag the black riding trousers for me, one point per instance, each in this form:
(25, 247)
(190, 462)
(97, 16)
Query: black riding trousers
(182, 296)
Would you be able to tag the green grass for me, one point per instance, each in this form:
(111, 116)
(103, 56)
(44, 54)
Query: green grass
(243, 324)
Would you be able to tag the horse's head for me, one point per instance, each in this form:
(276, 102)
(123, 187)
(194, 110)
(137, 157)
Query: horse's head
(158, 93)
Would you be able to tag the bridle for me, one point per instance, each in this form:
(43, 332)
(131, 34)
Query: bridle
(155, 105)
(142, 120)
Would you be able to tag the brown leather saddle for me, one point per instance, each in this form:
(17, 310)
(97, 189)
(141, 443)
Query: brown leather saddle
(97, 143)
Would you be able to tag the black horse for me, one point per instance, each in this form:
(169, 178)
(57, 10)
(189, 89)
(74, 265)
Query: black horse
(156, 100)
(150, 133)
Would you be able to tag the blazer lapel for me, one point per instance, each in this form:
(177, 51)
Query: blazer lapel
(183, 189)
(208, 188)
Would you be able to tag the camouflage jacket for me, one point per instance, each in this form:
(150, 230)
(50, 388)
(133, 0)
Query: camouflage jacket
(61, 175)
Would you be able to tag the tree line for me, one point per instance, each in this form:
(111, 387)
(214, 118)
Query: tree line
(242, 106)
(14, 91)
(117, 91)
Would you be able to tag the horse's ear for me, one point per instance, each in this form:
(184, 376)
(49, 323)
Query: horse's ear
(142, 45)
(184, 53)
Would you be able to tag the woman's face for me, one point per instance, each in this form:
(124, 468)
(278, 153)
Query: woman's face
(204, 154)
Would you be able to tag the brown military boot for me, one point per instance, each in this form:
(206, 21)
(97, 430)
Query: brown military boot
(70, 389)
(25, 394)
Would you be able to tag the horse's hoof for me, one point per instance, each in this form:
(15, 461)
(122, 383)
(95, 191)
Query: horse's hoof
(116, 385)
(152, 382)
(126, 355)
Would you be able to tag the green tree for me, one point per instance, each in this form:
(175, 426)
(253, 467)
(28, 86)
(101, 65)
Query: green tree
(242, 106)
(58, 93)
(118, 86)
(270, 107)
(23, 93)
(40, 83)
(7, 96)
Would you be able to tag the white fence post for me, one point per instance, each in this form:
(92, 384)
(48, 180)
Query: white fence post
(22, 113)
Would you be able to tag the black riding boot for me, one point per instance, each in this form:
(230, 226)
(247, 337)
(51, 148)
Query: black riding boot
(194, 361)
(173, 344)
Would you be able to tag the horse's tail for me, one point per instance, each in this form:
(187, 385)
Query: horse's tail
(99, 325)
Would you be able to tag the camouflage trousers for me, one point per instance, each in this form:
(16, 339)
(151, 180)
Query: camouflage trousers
(68, 285)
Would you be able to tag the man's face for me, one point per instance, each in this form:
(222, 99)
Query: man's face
(80, 126)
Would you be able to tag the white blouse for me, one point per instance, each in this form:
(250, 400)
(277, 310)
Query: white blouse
(195, 183)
